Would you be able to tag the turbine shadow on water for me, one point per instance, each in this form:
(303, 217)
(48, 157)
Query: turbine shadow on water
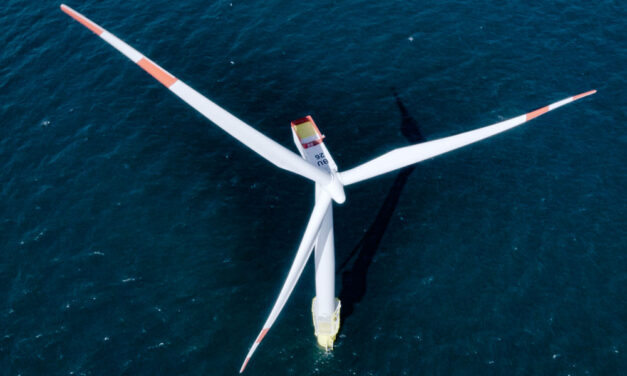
(354, 279)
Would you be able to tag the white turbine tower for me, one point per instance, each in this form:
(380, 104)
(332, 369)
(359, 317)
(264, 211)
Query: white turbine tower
(314, 163)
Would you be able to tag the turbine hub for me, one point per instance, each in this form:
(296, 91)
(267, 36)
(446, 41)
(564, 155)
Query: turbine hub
(336, 188)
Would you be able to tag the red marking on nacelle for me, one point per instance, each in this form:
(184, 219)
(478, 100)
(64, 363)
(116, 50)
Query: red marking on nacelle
(302, 120)
(312, 143)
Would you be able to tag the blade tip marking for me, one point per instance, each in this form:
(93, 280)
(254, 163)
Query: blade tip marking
(82, 20)
(579, 96)
(157, 72)
(536, 113)
(262, 334)
(241, 370)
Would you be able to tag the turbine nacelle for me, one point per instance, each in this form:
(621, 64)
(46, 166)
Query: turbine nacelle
(310, 144)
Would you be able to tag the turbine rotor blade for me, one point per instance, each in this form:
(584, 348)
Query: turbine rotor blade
(408, 155)
(298, 265)
(255, 140)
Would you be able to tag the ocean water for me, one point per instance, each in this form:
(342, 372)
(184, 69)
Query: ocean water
(136, 238)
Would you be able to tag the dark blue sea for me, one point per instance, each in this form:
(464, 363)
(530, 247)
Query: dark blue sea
(136, 238)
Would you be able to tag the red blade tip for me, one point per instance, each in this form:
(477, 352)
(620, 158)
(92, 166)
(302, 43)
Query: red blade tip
(584, 94)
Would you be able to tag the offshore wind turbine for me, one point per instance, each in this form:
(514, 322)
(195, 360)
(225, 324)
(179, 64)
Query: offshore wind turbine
(316, 164)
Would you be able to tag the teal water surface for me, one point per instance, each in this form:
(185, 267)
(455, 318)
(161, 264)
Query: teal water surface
(136, 238)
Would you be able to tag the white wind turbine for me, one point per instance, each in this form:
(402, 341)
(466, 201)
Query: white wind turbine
(314, 163)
